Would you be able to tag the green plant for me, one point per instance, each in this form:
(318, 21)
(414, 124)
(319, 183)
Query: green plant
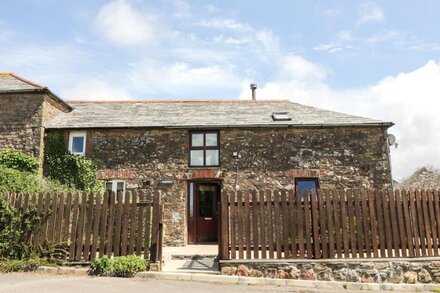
(12, 180)
(23, 265)
(53, 250)
(78, 172)
(19, 161)
(100, 266)
(15, 230)
(122, 266)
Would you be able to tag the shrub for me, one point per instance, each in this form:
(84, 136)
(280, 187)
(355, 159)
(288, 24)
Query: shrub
(23, 265)
(78, 172)
(12, 180)
(122, 266)
(15, 230)
(16, 160)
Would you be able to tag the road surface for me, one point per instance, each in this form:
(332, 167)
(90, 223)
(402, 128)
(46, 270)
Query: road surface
(39, 283)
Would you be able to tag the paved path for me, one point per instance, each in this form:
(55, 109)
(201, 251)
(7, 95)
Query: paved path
(39, 283)
(179, 259)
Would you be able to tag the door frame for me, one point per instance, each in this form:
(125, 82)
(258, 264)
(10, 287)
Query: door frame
(190, 223)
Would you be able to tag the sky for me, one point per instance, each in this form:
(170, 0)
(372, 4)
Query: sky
(379, 59)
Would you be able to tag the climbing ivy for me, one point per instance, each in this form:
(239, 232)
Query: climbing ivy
(78, 172)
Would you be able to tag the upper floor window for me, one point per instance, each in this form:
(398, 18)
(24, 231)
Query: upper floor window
(204, 149)
(77, 142)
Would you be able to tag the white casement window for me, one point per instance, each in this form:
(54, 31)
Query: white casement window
(77, 143)
(116, 186)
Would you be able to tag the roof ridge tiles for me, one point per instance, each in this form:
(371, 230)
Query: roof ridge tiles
(22, 79)
(167, 101)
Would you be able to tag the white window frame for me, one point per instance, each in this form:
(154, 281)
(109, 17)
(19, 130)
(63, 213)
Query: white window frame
(73, 134)
(115, 185)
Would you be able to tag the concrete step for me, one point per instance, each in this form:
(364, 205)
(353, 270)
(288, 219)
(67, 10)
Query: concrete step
(206, 265)
(194, 256)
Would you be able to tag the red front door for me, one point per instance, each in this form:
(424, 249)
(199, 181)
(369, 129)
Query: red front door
(203, 203)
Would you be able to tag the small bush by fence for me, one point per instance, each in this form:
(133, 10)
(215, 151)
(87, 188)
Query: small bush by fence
(329, 224)
(81, 227)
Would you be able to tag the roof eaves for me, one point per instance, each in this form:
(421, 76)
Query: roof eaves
(210, 126)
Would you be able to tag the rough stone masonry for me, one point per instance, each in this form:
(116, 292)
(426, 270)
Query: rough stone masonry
(342, 157)
(369, 271)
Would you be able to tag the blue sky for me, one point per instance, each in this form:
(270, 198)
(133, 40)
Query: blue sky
(377, 59)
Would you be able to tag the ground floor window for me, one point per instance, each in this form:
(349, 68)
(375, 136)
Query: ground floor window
(116, 186)
(306, 185)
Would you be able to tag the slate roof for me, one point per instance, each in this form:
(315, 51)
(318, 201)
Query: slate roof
(10, 82)
(200, 114)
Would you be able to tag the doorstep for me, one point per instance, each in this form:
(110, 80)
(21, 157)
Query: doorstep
(191, 259)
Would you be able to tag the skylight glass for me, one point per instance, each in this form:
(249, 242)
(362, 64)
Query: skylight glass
(281, 116)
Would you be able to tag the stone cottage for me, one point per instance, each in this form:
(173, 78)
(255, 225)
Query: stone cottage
(191, 150)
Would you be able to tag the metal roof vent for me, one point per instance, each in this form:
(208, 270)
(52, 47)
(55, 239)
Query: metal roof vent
(281, 116)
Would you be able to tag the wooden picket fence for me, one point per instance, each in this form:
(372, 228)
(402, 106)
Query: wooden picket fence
(87, 226)
(329, 224)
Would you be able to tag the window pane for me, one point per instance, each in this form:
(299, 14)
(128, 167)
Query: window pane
(78, 144)
(197, 139)
(304, 185)
(211, 157)
(207, 201)
(197, 158)
(191, 199)
(108, 186)
(211, 139)
(120, 186)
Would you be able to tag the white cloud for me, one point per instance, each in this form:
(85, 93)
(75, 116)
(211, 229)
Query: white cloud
(411, 100)
(296, 67)
(123, 25)
(224, 23)
(95, 89)
(370, 12)
(182, 78)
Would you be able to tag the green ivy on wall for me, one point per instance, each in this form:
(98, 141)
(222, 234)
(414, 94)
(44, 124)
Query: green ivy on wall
(78, 172)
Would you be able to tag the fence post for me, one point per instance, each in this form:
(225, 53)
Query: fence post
(224, 227)
(156, 230)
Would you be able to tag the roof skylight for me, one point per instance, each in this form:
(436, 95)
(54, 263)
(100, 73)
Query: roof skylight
(281, 116)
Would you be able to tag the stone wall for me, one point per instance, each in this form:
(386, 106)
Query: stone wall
(20, 122)
(22, 116)
(409, 271)
(270, 158)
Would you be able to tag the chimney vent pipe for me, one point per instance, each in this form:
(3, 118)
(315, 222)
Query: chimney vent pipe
(254, 88)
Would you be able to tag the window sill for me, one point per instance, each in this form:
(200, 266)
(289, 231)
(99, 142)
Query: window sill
(203, 167)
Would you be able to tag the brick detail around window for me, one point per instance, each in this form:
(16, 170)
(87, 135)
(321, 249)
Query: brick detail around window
(305, 173)
(106, 174)
(205, 174)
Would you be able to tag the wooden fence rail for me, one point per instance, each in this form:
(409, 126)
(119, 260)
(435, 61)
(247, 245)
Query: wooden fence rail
(82, 227)
(330, 224)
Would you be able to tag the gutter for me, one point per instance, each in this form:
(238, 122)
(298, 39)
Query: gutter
(381, 124)
(42, 90)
